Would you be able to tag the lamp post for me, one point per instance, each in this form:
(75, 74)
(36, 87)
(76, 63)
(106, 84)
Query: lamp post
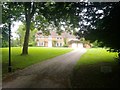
(9, 64)
(9, 27)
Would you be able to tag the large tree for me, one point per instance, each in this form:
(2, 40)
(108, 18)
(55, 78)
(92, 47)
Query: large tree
(103, 19)
(55, 13)
(107, 28)
(29, 8)
(51, 12)
(9, 15)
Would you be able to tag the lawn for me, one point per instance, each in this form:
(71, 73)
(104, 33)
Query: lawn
(36, 54)
(97, 68)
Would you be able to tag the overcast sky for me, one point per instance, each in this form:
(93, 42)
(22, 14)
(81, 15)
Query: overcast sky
(14, 28)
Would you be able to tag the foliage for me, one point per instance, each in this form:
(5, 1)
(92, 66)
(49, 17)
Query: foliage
(107, 28)
(4, 43)
(65, 40)
(65, 43)
(97, 44)
(21, 33)
(32, 37)
(30, 11)
(15, 42)
(4, 37)
(84, 41)
(74, 14)
(9, 15)
(36, 12)
(54, 43)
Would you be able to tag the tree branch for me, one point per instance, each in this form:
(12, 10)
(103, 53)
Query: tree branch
(33, 10)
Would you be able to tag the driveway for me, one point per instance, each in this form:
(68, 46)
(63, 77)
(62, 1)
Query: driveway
(52, 73)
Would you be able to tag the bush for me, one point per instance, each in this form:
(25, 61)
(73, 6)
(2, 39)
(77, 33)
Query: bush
(4, 43)
(30, 44)
(34, 43)
(97, 44)
(65, 45)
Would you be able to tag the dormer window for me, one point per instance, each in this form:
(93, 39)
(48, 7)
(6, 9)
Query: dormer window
(39, 32)
(59, 38)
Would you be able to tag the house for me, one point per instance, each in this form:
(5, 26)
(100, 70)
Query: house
(55, 40)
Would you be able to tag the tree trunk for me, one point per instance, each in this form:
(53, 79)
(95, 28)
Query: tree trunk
(28, 22)
(26, 39)
(29, 12)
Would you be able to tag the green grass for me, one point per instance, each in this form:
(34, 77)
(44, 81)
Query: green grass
(90, 70)
(96, 55)
(36, 54)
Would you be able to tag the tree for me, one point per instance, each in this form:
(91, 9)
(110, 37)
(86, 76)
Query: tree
(29, 8)
(21, 33)
(15, 42)
(32, 37)
(17, 12)
(49, 12)
(107, 28)
(9, 15)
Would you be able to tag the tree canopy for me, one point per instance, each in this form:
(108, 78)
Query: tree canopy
(96, 21)
(107, 29)
(45, 11)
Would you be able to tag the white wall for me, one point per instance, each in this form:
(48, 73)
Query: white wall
(50, 41)
(77, 45)
(74, 45)
(38, 44)
(80, 45)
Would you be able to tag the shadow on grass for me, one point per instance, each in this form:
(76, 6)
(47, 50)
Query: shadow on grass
(98, 75)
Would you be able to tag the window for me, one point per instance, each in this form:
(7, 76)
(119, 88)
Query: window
(60, 44)
(59, 38)
(41, 43)
(57, 44)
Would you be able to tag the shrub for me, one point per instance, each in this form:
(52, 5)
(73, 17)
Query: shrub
(97, 44)
(30, 44)
(65, 45)
(4, 43)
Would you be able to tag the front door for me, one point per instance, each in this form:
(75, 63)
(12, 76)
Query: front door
(49, 42)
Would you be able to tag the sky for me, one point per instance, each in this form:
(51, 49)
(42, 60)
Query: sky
(14, 28)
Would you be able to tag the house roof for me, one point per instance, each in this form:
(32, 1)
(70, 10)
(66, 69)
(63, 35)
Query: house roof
(63, 34)
(53, 33)
(68, 35)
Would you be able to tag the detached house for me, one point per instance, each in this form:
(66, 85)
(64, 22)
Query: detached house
(55, 40)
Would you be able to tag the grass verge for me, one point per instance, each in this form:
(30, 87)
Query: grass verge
(97, 68)
(36, 54)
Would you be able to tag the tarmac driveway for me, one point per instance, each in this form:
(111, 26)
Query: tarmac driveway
(52, 73)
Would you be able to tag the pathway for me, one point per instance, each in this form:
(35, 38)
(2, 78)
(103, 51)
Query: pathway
(52, 73)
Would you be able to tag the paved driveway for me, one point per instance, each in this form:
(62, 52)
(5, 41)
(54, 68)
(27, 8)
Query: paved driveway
(52, 73)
